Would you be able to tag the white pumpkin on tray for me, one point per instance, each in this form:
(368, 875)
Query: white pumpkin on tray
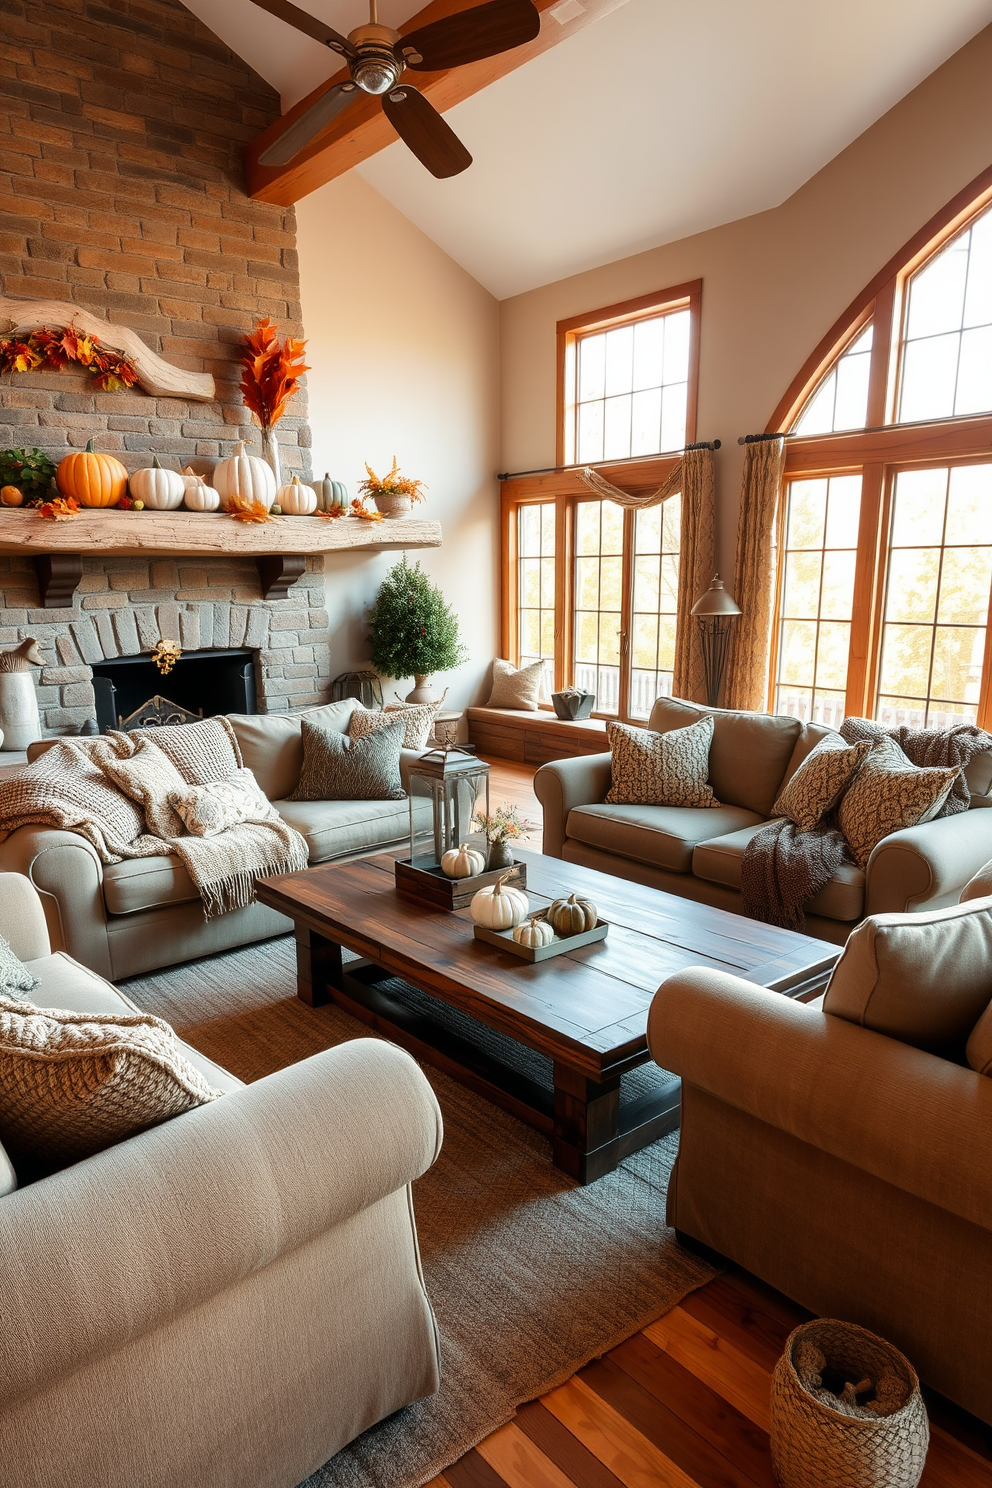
(499, 907)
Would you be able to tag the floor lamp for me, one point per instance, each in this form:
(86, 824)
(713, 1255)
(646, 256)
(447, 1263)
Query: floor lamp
(715, 613)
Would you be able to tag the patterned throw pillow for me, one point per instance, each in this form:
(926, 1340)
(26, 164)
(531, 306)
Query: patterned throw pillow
(820, 781)
(660, 769)
(516, 689)
(75, 1083)
(335, 769)
(890, 793)
(15, 979)
(206, 810)
(417, 720)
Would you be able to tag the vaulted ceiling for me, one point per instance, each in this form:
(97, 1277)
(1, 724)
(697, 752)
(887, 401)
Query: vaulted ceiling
(660, 120)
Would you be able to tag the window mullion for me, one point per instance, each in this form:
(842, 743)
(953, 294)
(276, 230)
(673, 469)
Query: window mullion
(868, 582)
(564, 591)
(626, 613)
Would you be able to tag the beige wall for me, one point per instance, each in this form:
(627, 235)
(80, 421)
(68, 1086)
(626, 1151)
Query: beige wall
(773, 284)
(403, 346)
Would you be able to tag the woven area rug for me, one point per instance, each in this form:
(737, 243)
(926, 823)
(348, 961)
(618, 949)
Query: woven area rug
(530, 1275)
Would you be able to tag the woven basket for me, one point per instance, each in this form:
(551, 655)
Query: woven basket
(816, 1446)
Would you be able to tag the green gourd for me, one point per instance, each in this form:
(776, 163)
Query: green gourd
(331, 494)
(573, 915)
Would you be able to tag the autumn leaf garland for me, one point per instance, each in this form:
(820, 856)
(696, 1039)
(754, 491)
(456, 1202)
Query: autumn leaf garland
(57, 350)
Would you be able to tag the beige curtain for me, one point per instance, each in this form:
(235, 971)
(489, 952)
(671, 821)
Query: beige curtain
(754, 582)
(693, 477)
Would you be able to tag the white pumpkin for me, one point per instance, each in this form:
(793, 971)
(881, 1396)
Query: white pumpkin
(200, 497)
(190, 477)
(499, 907)
(534, 933)
(296, 499)
(245, 476)
(462, 862)
(159, 489)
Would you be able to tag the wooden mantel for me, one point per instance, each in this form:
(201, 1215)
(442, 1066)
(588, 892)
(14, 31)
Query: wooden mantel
(280, 547)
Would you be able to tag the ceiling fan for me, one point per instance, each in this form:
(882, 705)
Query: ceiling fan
(377, 56)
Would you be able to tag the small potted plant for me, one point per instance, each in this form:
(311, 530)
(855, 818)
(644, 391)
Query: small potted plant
(500, 828)
(393, 494)
(413, 630)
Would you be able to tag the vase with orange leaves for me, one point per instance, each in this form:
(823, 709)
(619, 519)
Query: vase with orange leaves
(270, 375)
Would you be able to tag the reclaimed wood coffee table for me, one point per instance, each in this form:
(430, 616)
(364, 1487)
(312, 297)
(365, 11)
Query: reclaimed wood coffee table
(586, 1011)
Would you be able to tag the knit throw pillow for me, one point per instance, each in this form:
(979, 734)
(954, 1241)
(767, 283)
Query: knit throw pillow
(889, 793)
(206, 810)
(516, 689)
(74, 1083)
(15, 979)
(649, 769)
(417, 720)
(337, 769)
(820, 781)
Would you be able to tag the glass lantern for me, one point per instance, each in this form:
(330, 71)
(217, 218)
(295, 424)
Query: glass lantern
(447, 787)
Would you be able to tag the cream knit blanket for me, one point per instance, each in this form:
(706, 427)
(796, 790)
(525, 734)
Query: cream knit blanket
(70, 788)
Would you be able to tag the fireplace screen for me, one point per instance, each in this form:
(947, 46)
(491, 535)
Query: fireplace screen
(201, 684)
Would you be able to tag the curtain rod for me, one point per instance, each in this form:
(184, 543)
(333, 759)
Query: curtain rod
(710, 444)
(869, 429)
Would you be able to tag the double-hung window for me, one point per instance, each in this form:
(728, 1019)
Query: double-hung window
(590, 587)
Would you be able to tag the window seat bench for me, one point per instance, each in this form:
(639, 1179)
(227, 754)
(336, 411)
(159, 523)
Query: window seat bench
(533, 738)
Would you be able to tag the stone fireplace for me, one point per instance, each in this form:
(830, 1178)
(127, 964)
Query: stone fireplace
(124, 606)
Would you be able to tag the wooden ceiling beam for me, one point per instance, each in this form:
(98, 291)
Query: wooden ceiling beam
(364, 130)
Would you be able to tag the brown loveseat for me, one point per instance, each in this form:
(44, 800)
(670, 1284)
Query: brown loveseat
(143, 913)
(697, 852)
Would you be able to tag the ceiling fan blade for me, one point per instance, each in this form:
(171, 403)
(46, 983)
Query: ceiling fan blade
(470, 35)
(308, 24)
(421, 128)
(309, 124)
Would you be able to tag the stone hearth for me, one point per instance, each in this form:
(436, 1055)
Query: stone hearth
(125, 605)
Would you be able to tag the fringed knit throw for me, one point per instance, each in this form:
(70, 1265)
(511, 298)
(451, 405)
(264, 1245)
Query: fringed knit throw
(784, 867)
(70, 788)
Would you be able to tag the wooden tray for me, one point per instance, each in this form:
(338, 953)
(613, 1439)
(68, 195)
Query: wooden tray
(433, 886)
(505, 941)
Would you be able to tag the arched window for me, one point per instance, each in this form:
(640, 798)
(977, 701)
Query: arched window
(885, 533)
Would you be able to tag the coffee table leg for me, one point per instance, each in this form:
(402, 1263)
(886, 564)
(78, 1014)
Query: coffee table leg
(318, 962)
(586, 1139)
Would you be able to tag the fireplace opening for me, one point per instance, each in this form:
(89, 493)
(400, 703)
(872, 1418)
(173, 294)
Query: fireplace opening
(200, 685)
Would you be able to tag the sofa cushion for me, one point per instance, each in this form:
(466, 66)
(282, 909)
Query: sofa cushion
(652, 769)
(417, 719)
(719, 861)
(64, 983)
(662, 835)
(812, 734)
(333, 828)
(921, 978)
(272, 746)
(749, 753)
(146, 883)
(516, 688)
(888, 793)
(335, 769)
(820, 781)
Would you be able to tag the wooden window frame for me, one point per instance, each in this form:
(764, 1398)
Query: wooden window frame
(563, 485)
(883, 448)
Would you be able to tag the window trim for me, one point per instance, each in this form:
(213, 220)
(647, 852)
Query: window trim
(627, 312)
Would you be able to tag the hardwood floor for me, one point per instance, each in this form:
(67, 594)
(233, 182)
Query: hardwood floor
(683, 1404)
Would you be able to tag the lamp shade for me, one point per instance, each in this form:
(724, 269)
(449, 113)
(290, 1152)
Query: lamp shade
(716, 601)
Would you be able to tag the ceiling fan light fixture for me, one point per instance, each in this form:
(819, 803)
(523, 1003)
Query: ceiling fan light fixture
(375, 74)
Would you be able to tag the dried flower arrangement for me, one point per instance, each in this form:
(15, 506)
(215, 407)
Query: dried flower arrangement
(505, 824)
(57, 350)
(270, 373)
(392, 484)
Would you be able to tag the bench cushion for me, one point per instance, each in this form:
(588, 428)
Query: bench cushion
(664, 836)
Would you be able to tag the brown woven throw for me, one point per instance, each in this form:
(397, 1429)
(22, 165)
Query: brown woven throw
(784, 867)
(69, 788)
(927, 748)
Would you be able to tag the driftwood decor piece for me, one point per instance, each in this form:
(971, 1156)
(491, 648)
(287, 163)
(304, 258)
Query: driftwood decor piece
(156, 376)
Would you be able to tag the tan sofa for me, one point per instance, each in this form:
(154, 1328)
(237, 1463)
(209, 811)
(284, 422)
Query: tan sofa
(229, 1298)
(698, 852)
(143, 913)
(845, 1167)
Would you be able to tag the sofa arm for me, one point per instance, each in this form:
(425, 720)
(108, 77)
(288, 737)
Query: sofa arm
(112, 1248)
(581, 781)
(912, 1120)
(68, 874)
(934, 861)
(22, 918)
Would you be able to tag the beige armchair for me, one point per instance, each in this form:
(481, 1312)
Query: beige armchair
(229, 1298)
(846, 1168)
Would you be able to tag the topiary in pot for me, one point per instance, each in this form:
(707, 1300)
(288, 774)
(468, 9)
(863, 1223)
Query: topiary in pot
(413, 630)
(30, 470)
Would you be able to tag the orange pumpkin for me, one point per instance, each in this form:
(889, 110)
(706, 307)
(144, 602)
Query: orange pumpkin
(12, 496)
(93, 479)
